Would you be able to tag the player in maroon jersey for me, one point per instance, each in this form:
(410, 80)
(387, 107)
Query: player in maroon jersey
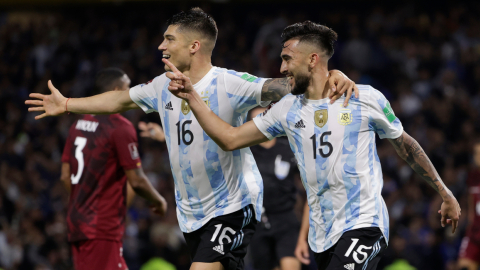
(100, 155)
(470, 247)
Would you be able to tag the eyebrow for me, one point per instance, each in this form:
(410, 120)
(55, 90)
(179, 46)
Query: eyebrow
(169, 36)
(285, 56)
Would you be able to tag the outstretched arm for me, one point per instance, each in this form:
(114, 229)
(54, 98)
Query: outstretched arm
(56, 104)
(410, 151)
(276, 89)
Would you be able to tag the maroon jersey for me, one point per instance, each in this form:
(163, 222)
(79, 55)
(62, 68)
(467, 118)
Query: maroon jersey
(473, 183)
(99, 148)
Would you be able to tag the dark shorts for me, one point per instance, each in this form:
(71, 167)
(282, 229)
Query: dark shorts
(98, 254)
(470, 250)
(275, 238)
(223, 239)
(359, 249)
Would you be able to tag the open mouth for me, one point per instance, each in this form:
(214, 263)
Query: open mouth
(166, 56)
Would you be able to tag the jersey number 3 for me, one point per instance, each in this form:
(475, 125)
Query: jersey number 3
(80, 142)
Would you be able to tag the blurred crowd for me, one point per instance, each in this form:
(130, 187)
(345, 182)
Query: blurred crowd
(425, 59)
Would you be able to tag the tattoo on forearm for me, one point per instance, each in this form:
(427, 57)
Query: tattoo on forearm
(275, 89)
(409, 149)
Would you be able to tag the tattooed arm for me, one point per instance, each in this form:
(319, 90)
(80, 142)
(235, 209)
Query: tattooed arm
(410, 151)
(275, 89)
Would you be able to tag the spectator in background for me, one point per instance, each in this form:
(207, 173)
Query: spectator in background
(100, 155)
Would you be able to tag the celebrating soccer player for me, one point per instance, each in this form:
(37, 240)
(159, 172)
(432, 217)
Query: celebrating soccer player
(218, 194)
(335, 150)
(100, 155)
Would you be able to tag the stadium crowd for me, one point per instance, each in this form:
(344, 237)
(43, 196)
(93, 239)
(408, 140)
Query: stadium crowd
(425, 60)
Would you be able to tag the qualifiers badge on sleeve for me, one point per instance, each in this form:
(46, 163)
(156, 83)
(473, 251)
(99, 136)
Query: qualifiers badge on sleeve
(345, 117)
(133, 150)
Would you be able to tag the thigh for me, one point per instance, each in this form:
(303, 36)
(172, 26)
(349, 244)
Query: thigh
(262, 250)
(98, 254)
(359, 249)
(469, 252)
(223, 239)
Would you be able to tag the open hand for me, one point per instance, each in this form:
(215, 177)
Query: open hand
(450, 211)
(340, 84)
(180, 85)
(51, 105)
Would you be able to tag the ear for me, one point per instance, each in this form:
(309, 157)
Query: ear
(314, 59)
(195, 46)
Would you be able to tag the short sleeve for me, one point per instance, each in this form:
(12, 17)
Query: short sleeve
(244, 90)
(382, 118)
(126, 146)
(269, 122)
(146, 96)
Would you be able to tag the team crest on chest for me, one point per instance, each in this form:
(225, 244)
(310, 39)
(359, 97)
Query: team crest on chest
(206, 99)
(321, 117)
(345, 117)
(185, 107)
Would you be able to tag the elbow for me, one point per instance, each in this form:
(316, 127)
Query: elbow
(137, 182)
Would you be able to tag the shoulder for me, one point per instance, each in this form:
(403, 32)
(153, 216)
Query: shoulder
(241, 76)
(119, 121)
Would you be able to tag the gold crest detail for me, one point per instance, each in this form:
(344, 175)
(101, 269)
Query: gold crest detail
(345, 117)
(206, 100)
(185, 107)
(321, 117)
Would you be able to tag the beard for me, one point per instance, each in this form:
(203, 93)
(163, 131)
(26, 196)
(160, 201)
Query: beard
(301, 84)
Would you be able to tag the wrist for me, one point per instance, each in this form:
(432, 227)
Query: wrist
(446, 195)
(65, 108)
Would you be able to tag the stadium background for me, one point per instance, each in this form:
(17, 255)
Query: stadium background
(424, 57)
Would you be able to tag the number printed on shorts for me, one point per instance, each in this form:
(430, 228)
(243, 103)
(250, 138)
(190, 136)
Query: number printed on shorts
(359, 255)
(223, 235)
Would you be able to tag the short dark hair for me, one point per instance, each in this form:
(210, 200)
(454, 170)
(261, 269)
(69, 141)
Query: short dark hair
(107, 79)
(311, 32)
(196, 20)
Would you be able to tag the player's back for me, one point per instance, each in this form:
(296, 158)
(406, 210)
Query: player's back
(336, 153)
(97, 205)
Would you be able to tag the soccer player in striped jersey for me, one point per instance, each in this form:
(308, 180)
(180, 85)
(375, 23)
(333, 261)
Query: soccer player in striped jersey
(335, 149)
(218, 194)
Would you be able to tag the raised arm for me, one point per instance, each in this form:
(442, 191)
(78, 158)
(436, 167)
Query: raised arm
(275, 89)
(410, 151)
(56, 104)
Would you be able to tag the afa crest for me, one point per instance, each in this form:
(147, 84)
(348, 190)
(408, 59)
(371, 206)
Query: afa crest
(185, 107)
(345, 117)
(321, 117)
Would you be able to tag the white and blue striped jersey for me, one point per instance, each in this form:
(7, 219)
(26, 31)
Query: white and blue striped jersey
(209, 182)
(337, 158)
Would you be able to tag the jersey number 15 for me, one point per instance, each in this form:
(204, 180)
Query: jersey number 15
(329, 146)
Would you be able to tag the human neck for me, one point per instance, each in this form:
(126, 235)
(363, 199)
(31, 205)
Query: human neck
(198, 69)
(268, 144)
(319, 87)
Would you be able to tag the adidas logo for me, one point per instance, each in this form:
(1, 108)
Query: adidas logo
(219, 249)
(350, 266)
(169, 106)
(300, 124)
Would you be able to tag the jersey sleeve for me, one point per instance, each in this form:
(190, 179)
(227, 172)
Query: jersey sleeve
(382, 118)
(145, 95)
(244, 91)
(126, 146)
(269, 122)
(67, 150)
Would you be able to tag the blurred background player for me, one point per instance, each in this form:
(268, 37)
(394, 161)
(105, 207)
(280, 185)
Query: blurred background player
(218, 197)
(273, 243)
(99, 157)
(469, 256)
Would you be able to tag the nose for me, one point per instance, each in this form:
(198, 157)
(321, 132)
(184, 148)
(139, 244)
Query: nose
(162, 46)
(283, 68)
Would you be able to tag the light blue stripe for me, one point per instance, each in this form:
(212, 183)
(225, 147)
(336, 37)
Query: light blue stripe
(350, 177)
(244, 217)
(211, 158)
(378, 247)
(371, 160)
(234, 242)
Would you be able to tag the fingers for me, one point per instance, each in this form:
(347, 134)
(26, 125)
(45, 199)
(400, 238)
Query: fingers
(443, 221)
(349, 95)
(170, 65)
(35, 95)
(51, 87)
(454, 225)
(43, 115)
(34, 102)
(36, 109)
(355, 88)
